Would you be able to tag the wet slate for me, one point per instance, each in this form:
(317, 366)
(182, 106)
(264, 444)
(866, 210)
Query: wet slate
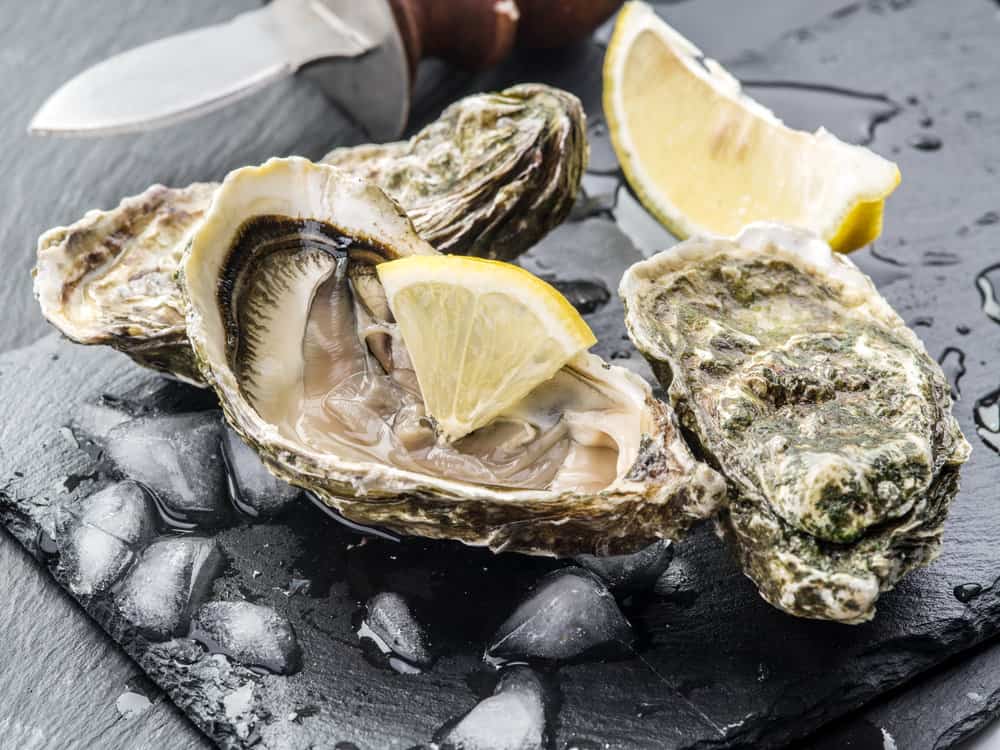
(716, 665)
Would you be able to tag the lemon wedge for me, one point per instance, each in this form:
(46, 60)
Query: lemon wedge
(704, 158)
(481, 334)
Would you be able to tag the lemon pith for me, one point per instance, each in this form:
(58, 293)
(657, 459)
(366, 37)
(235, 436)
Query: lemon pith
(481, 334)
(704, 158)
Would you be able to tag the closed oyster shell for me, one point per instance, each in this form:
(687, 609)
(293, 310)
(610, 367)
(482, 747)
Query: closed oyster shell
(799, 382)
(490, 177)
(289, 327)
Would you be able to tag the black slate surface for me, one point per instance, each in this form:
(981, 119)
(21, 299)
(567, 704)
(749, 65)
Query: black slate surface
(717, 661)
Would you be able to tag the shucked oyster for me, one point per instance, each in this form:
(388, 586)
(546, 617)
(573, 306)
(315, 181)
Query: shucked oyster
(799, 382)
(491, 177)
(290, 326)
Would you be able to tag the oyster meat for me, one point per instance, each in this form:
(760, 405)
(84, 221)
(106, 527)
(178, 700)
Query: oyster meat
(290, 326)
(799, 382)
(490, 177)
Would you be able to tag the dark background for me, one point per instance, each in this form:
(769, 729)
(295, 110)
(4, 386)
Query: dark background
(923, 69)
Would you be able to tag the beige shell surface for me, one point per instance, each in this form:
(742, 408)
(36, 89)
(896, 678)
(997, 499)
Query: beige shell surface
(109, 277)
(658, 490)
(807, 391)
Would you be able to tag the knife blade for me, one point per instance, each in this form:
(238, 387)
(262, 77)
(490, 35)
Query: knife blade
(362, 54)
(189, 74)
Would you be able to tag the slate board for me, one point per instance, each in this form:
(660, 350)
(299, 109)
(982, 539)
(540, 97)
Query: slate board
(715, 650)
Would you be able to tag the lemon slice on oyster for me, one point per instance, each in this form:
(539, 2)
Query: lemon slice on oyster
(704, 158)
(481, 334)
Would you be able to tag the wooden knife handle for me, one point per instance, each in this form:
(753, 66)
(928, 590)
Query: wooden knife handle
(477, 34)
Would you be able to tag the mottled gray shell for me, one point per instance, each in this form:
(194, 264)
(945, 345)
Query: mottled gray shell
(800, 383)
(491, 176)
(664, 492)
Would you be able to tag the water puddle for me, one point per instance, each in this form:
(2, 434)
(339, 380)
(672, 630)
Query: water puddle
(851, 115)
(966, 592)
(952, 361)
(987, 291)
(987, 417)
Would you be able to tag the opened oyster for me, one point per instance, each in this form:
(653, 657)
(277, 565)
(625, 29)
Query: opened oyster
(491, 177)
(798, 381)
(291, 328)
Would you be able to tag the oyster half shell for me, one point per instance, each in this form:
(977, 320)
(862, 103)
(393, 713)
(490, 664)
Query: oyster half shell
(490, 177)
(290, 326)
(800, 383)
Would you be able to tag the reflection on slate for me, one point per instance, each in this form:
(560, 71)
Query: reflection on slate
(248, 613)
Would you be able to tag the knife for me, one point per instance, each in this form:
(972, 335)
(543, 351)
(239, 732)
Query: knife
(362, 53)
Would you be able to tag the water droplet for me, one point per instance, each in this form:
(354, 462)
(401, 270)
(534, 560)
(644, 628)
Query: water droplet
(940, 258)
(952, 361)
(962, 330)
(988, 219)
(924, 321)
(966, 592)
(925, 142)
(987, 418)
(587, 296)
(987, 292)
(602, 154)
(621, 354)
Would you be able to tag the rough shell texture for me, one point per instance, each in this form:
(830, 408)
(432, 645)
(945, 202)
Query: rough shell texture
(662, 493)
(491, 176)
(802, 385)
(109, 278)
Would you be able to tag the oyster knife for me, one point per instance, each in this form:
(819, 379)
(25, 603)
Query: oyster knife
(361, 54)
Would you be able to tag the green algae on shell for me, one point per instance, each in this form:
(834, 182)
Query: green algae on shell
(798, 381)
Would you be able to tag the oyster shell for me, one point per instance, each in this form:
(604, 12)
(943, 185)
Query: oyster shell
(509, 175)
(109, 278)
(491, 176)
(290, 327)
(800, 383)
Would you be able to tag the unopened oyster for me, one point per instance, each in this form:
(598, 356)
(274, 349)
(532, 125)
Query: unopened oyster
(490, 178)
(290, 326)
(799, 382)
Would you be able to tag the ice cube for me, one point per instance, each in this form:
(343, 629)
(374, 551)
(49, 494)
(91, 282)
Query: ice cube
(252, 634)
(513, 718)
(171, 578)
(178, 458)
(630, 573)
(391, 626)
(99, 537)
(570, 614)
(258, 491)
